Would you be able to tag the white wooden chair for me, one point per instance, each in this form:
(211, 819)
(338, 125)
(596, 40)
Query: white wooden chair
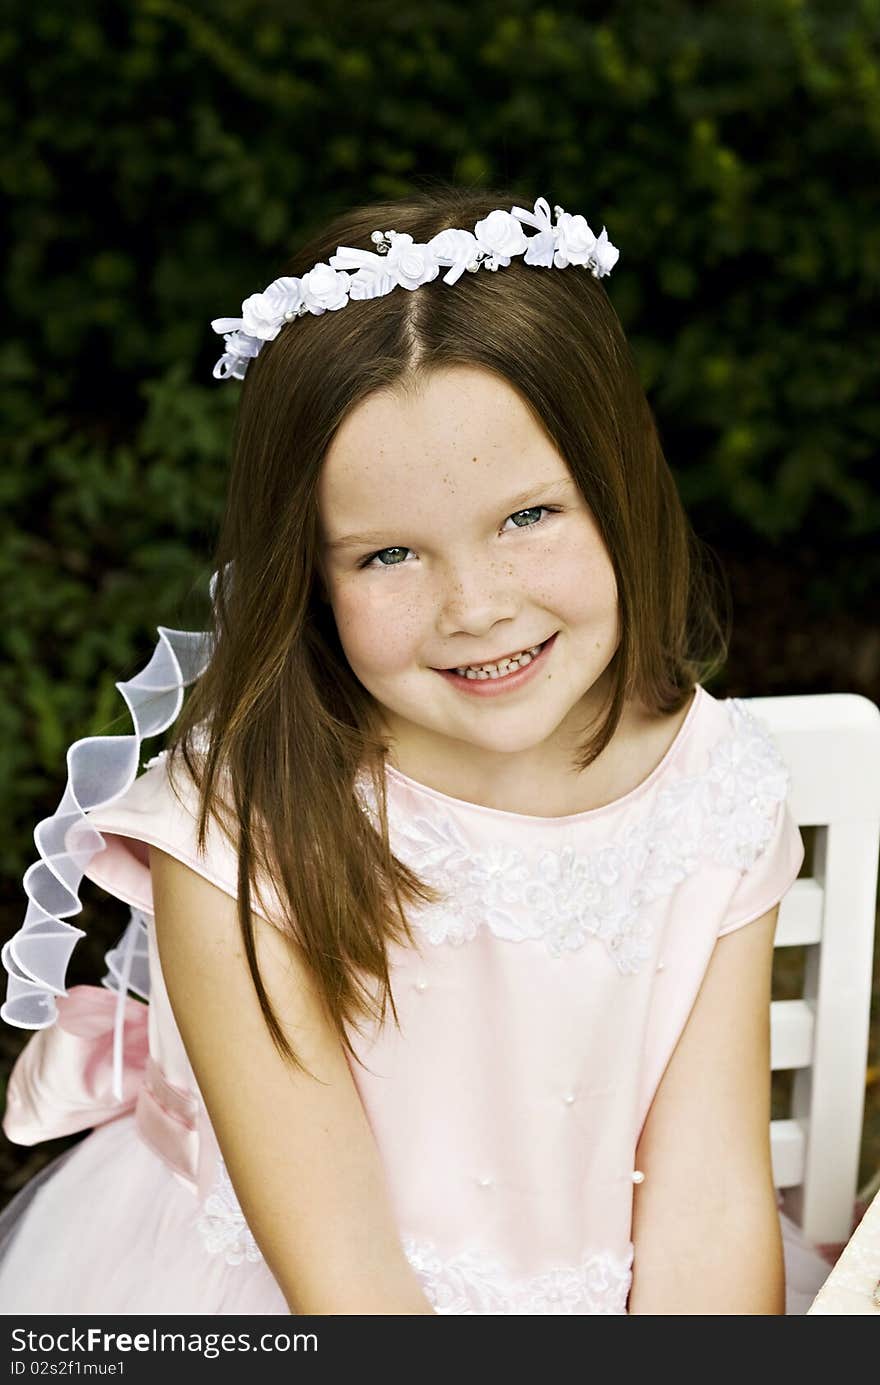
(831, 742)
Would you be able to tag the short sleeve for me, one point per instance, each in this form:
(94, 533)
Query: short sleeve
(772, 874)
(153, 813)
(150, 813)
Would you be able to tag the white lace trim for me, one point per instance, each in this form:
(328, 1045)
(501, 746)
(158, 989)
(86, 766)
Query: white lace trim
(564, 896)
(474, 1283)
(470, 1282)
(222, 1224)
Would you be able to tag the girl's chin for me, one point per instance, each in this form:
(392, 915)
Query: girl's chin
(503, 734)
(497, 739)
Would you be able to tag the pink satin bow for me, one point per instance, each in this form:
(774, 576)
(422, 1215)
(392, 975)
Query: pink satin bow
(63, 1082)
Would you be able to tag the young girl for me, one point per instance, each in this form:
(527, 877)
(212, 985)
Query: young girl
(439, 889)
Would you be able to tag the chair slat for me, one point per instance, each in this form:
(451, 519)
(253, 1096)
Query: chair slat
(787, 1147)
(792, 1025)
(800, 914)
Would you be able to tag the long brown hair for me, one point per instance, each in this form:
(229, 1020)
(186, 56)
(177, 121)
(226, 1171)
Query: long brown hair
(289, 726)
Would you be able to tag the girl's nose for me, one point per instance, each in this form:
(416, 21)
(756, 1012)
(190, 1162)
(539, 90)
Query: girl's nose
(475, 596)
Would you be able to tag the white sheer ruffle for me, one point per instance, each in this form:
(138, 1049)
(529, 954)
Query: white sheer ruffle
(100, 769)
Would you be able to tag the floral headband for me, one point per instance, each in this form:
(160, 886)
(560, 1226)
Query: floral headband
(398, 261)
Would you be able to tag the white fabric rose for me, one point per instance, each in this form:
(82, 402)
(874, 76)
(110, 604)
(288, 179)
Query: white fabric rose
(575, 241)
(325, 288)
(605, 255)
(501, 235)
(263, 313)
(412, 264)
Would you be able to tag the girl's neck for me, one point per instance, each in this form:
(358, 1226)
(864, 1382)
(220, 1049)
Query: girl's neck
(542, 782)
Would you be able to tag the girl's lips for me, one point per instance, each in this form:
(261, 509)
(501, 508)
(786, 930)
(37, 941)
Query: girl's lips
(508, 682)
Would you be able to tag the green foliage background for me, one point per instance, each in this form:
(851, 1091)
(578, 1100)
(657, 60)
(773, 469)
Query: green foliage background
(160, 159)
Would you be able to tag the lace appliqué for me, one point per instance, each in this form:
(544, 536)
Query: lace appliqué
(222, 1223)
(473, 1283)
(563, 896)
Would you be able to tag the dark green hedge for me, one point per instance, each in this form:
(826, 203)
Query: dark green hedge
(160, 158)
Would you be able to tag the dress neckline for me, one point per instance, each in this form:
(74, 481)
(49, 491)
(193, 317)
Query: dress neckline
(586, 814)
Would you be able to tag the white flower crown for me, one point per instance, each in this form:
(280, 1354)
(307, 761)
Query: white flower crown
(399, 261)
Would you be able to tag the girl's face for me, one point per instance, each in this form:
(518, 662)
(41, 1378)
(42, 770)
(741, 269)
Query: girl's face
(453, 535)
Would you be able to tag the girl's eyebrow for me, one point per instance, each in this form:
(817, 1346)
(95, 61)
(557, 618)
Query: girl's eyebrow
(535, 492)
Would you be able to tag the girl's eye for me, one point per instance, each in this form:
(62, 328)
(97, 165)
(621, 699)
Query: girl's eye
(523, 519)
(528, 523)
(395, 561)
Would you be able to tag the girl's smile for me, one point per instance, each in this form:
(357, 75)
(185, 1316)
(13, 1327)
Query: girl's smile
(503, 675)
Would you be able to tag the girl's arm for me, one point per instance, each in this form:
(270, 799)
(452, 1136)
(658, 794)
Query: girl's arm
(300, 1151)
(706, 1227)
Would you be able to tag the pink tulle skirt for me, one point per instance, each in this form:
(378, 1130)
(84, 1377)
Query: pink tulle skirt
(107, 1228)
(110, 1229)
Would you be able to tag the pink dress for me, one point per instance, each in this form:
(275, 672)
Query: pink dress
(537, 1014)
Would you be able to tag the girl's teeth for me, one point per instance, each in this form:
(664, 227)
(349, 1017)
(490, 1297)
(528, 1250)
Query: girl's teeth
(502, 667)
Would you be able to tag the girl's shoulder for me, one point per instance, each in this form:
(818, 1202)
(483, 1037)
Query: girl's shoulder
(722, 757)
(708, 736)
(729, 731)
